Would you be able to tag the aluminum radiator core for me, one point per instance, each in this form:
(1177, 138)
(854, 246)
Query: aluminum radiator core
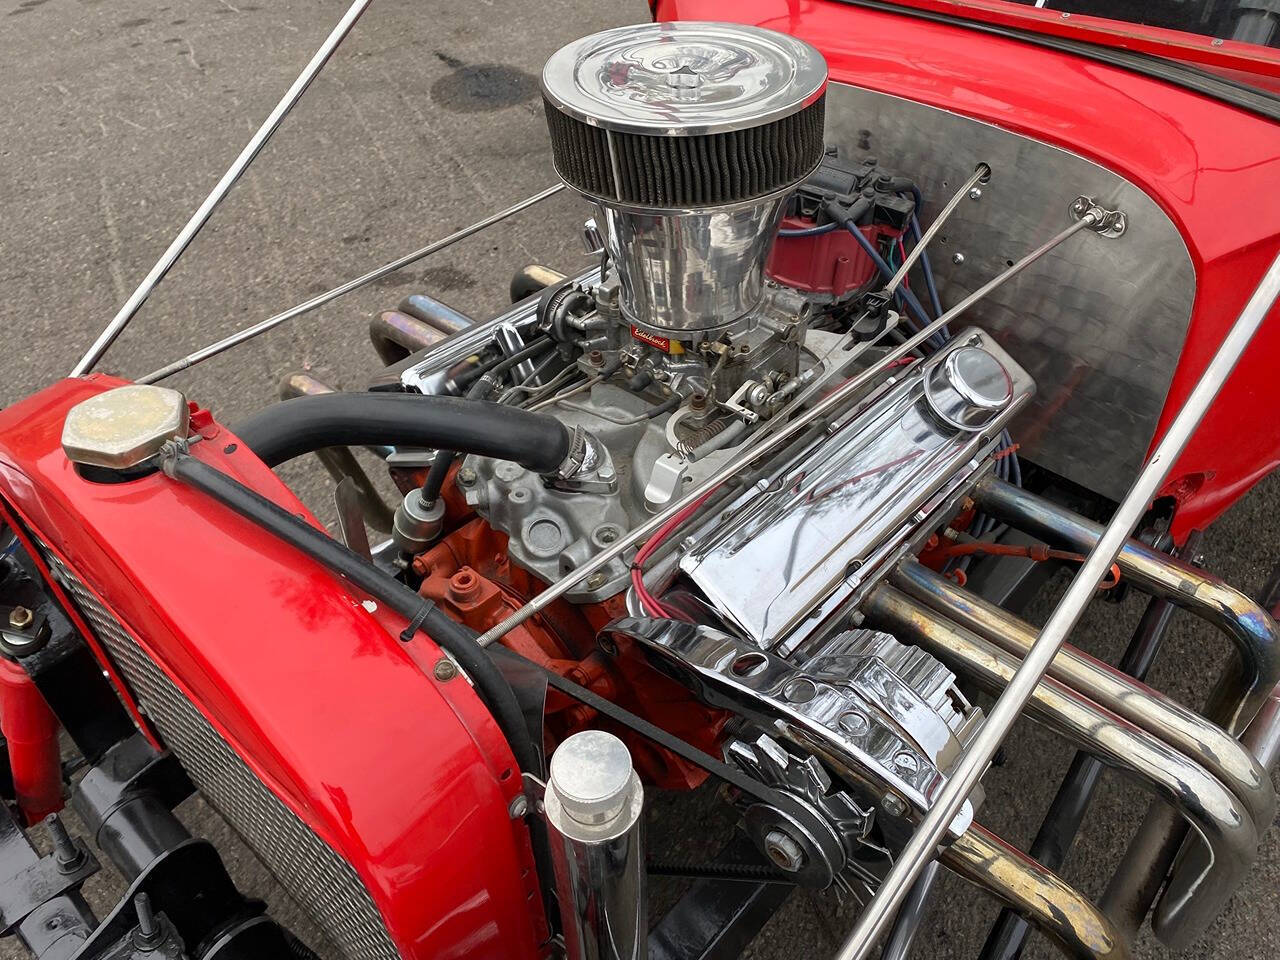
(688, 137)
(823, 525)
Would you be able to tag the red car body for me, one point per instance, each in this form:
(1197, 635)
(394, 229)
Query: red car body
(314, 691)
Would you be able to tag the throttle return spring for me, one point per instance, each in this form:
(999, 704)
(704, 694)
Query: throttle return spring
(689, 444)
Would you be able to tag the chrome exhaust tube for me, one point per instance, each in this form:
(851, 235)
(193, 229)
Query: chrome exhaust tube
(593, 807)
(1221, 820)
(1245, 688)
(1180, 727)
(1056, 908)
(1240, 695)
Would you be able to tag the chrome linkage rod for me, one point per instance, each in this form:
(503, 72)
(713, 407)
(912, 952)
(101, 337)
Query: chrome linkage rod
(981, 174)
(220, 191)
(771, 442)
(923, 845)
(248, 333)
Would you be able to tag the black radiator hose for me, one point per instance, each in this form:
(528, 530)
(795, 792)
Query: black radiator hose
(289, 429)
(455, 638)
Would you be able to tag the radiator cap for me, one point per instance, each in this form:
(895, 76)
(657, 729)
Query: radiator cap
(124, 426)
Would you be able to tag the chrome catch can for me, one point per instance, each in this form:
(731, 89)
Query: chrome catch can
(593, 808)
(688, 137)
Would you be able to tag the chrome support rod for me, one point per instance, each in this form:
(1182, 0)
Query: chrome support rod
(769, 443)
(923, 845)
(234, 172)
(235, 339)
(980, 174)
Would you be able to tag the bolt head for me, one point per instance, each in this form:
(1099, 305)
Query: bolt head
(20, 618)
(907, 763)
(466, 476)
(893, 805)
(445, 670)
(975, 193)
(597, 580)
(784, 851)
(957, 258)
(519, 806)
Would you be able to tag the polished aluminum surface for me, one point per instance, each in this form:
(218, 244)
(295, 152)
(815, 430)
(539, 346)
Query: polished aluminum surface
(769, 443)
(235, 339)
(969, 390)
(1184, 914)
(685, 275)
(685, 78)
(124, 427)
(1229, 834)
(878, 713)
(825, 513)
(1099, 326)
(1249, 681)
(221, 189)
(1060, 911)
(593, 808)
(430, 375)
(1180, 727)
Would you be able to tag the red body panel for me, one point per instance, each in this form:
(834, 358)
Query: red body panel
(1211, 167)
(31, 732)
(407, 778)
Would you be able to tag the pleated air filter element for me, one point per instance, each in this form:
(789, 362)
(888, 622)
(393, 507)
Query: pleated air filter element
(685, 115)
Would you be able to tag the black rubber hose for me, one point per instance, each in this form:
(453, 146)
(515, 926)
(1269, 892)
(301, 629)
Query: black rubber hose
(306, 424)
(455, 638)
(434, 482)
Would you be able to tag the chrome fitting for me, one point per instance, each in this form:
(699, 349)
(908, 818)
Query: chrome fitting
(417, 524)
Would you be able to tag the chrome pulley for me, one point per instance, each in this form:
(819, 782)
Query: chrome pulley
(817, 859)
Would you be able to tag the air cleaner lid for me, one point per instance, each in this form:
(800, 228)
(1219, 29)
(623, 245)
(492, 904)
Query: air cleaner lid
(684, 78)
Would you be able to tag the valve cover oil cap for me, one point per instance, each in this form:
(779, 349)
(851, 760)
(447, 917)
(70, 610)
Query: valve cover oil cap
(124, 427)
(969, 388)
(591, 775)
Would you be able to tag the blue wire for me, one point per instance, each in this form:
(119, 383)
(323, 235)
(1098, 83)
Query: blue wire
(903, 295)
(807, 231)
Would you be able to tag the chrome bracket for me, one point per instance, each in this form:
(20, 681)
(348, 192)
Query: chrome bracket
(1106, 223)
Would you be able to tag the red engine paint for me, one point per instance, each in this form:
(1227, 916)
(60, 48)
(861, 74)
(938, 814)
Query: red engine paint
(828, 263)
(406, 777)
(1212, 168)
(470, 576)
(31, 731)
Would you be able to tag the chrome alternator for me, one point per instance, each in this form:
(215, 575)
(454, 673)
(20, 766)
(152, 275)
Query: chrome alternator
(864, 732)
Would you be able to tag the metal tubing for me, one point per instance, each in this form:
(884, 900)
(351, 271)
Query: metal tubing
(923, 843)
(220, 191)
(1215, 813)
(911, 915)
(1180, 727)
(1249, 626)
(1059, 910)
(396, 336)
(213, 349)
(768, 444)
(435, 313)
(981, 174)
(593, 806)
(1008, 935)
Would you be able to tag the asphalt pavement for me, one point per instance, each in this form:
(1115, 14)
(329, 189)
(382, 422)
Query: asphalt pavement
(119, 117)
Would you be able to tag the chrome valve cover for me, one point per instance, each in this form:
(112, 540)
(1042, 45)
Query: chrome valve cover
(827, 519)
